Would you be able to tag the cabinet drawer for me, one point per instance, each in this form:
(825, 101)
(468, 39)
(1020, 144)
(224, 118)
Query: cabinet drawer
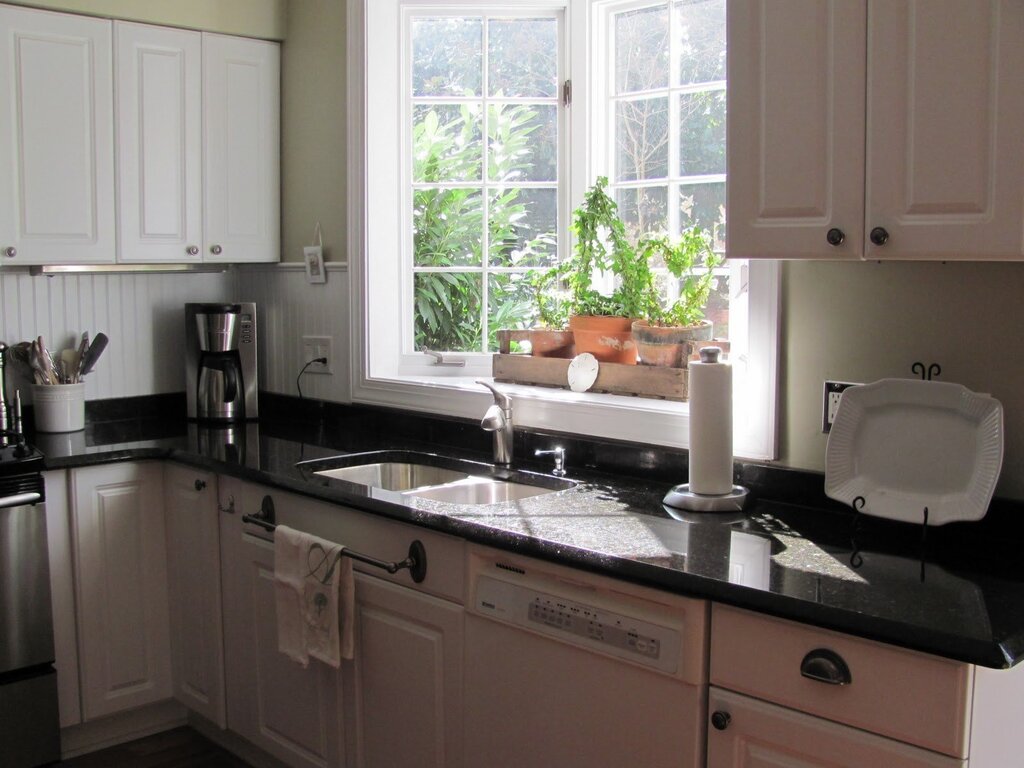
(917, 698)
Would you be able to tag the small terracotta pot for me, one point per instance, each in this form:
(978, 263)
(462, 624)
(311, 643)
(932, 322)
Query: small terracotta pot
(548, 343)
(609, 339)
(668, 346)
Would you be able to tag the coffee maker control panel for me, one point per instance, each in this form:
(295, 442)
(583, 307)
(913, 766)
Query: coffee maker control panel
(247, 328)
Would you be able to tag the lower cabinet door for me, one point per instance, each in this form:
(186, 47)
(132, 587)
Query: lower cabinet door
(290, 712)
(404, 696)
(749, 733)
(193, 581)
(121, 586)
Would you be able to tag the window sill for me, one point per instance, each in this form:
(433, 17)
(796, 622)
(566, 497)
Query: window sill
(634, 419)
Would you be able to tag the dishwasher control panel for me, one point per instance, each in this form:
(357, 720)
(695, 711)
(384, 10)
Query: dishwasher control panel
(589, 625)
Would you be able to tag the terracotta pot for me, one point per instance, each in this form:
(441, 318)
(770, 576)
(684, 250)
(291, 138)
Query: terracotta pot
(609, 339)
(548, 343)
(668, 346)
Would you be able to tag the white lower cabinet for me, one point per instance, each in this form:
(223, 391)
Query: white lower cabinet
(117, 517)
(193, 580)
(748, 733)
(404, 697)
(291, 712)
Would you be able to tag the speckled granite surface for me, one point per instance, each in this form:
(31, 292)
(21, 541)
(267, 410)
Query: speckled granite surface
(956, 592)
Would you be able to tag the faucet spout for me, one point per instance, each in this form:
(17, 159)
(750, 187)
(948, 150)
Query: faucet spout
(498, 420)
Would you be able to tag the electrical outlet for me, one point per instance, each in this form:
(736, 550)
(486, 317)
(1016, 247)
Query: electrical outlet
(314, 347)
(830, 405)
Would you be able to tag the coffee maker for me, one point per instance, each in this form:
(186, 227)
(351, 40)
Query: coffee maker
(220, 362)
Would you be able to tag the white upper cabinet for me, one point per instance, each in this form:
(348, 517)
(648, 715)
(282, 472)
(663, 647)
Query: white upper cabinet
(241, 108)
(876, 129)
(945, 155)
(135, 143)
(56, 139)
(160, 134)
(796, 127)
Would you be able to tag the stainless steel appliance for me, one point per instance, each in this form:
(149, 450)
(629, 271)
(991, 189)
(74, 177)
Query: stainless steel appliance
(29, 719)
(220, 362)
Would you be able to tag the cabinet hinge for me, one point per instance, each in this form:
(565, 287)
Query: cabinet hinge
(567, 92)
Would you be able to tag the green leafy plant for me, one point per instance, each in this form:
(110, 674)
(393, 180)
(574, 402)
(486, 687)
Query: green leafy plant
(601, 245)
(691, 261)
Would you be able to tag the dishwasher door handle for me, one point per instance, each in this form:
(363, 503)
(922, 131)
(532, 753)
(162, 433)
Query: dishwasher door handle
(20, 499)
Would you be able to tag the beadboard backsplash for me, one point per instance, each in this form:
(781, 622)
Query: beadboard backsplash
(143, 314)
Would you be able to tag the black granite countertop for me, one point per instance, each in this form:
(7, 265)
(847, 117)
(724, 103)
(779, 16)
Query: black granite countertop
(955, 591)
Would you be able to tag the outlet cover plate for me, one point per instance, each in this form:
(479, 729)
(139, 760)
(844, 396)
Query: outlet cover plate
(314, 347)
(833, 391)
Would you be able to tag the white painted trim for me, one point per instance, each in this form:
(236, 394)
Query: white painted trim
(290, 266)
(121, 728)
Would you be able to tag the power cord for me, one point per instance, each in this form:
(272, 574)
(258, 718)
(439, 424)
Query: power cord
(298, 386)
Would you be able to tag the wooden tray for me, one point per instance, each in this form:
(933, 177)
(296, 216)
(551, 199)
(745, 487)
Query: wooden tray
(637, 380)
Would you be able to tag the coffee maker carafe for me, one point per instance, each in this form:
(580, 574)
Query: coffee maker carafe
(221, 361)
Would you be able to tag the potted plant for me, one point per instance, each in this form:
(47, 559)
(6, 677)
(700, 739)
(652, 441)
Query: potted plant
(666, 334)
(601, 323)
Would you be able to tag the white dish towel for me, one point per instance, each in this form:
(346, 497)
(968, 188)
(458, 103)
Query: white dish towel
(315, 598)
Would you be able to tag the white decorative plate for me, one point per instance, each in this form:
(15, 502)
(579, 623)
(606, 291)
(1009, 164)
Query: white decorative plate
(906, 444)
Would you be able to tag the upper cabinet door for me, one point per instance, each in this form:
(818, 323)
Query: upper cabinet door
(159, 129)
(56, 139)
(241, 107)
(945, 163)
(796, 128)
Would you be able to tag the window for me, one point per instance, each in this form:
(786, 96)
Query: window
(473, 162)
(483, 104)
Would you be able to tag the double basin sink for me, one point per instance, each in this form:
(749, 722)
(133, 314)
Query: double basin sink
(438, 478)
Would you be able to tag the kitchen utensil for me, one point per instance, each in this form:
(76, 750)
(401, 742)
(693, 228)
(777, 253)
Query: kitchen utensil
(39, 372)
(69, 360)
(48, 365)
(905, 444)
(83, 347)
(93, 353)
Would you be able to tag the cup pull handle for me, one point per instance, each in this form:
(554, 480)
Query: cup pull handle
(825, 666)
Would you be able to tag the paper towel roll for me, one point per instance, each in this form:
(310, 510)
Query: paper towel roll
(710, 385)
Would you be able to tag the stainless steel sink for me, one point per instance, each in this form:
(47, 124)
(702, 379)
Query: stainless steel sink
(480, 490)
(439, 478)
(394, 475)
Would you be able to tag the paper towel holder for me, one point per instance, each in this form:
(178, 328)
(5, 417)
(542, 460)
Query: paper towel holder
(683, 497)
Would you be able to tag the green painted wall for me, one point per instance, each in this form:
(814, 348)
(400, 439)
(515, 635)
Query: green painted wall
(313, 117)
(250, 18)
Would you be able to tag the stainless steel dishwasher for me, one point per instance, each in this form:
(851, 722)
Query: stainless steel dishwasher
(565, 668)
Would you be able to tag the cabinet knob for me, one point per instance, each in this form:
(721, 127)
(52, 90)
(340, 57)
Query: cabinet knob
(879, 236)
(200, 484)
(216, 250)
(10, 252)
(825, 666)
(720, 720)
(192, 250)
(835, 236)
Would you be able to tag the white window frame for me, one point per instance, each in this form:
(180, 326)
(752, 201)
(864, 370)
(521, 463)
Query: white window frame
(416, 384)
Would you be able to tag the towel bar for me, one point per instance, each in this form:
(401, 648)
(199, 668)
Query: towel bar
(416, 561)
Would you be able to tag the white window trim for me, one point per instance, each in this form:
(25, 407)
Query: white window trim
(453, 391)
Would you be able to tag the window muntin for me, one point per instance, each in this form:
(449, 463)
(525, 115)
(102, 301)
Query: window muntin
(485, 152)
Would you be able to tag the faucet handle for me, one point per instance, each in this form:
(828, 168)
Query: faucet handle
(502, 400)
(559, 453)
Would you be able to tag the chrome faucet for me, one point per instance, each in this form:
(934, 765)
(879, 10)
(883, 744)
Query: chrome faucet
(498, 419)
